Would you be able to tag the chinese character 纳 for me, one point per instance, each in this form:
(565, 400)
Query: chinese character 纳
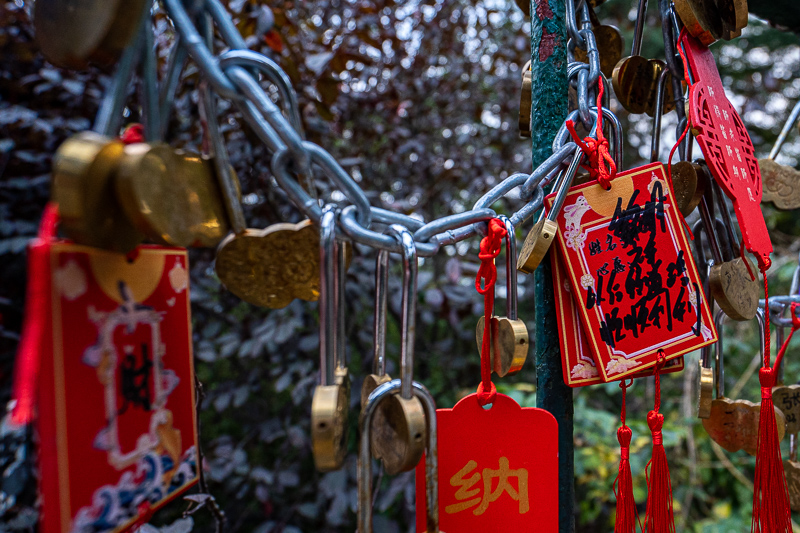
(468, 493)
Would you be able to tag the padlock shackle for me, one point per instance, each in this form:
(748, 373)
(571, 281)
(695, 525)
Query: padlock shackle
(222, 163)
(511, 268)
(709, 223)
(341, 298)
(381, 302)
(382, 392)
(655, 143)
(638, 30)
(327, 295)
(719, 371)
(409, 306)
(564, 184)
(733, 241)
(787, 127)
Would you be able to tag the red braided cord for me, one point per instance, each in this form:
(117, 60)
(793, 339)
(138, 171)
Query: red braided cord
(484, 284)
(601, 165)
(669, 176)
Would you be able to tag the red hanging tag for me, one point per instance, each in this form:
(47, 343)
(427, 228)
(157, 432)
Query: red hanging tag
(117, 419)
(498, 468)
(627, 516)
(726, 145)
(578, 361)
(771, 511)
(639, 291)
(659, 518)
(510, 478)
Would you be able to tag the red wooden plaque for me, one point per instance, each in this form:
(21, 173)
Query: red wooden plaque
(639, 292)
(726, 145)
(116, 416)
(577, 360)
(498, 468)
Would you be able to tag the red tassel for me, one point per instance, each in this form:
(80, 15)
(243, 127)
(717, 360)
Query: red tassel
(659, 518)
(26, 376)
(627, 516)
(771, 512)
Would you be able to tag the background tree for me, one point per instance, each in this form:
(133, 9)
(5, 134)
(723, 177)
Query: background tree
(418, 100)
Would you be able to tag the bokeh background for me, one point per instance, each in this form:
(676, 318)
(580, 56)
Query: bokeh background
(418, 100)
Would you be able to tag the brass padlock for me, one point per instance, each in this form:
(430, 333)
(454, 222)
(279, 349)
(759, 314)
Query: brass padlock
(525, 102)
(72, 34)
(331, 399)
(781, 183)
(709, 20)
(733, 424)
(84, 170)
(171, 196)
(378, 397)
(729, 279)
(509, 348)
(538, 241)
(689, 183)
(399, 424)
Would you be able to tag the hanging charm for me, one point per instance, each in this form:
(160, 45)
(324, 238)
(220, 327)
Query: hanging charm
(108, 345)
(509, 480)
(727, 147)
(625, 252)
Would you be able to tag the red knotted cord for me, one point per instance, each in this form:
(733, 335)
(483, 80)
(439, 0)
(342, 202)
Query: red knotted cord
(484, 284)
(133, 134)
(627, 516)
(601, 165)
(659, 517)
(26, 377)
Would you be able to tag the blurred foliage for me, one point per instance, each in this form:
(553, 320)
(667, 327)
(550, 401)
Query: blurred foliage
(419, 102)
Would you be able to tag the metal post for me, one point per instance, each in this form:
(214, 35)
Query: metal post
(549, 98)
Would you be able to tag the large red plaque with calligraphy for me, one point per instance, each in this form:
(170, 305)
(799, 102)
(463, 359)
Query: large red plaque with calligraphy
(116, 416)
(637, 288)
(726, 145)
(498, 468)
(578, 362)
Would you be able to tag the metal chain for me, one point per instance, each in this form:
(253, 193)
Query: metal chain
(233, 76)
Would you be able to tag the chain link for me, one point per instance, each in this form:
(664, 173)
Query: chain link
(233, 75)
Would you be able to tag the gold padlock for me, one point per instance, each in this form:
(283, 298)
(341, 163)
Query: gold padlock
(84, 170)
(791, 469)
(399, 424)
(729, 279)
(689, 183)
(72, 34)
(171, 196)
(366, 425)
(509, 348)
(538, 241)
(733, 424)
(781, 183)
(331, 399)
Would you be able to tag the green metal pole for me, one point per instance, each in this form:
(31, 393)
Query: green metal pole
(549, 97)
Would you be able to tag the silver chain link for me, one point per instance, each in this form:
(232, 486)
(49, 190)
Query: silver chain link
(233, 75)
